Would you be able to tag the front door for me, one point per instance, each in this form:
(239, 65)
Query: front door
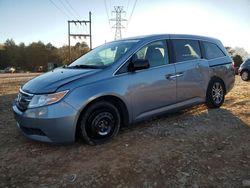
(152, 89)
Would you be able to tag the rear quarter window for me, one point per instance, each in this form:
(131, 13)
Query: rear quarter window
(212, 51)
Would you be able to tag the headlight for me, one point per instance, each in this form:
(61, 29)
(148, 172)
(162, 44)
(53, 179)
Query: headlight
(46, 99)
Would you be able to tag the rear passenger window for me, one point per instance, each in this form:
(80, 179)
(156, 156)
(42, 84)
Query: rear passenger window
(212, 51)
(186, 50)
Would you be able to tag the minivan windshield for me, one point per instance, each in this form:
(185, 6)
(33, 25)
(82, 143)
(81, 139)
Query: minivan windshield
(104, 55)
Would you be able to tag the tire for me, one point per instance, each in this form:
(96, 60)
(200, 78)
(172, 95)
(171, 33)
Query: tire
(245, 75)
(100, 123)
(215, 93)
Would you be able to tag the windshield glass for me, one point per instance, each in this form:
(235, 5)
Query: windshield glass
(104, 55)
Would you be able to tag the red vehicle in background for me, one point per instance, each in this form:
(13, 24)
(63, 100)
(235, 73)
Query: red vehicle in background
(236, 68)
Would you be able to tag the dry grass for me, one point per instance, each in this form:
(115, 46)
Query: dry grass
(238, 100)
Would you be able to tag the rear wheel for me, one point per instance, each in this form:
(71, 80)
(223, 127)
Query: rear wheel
(215, 93)
(245, 75)
(100, 123)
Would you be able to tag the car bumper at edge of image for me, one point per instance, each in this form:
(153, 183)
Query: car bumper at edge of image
(53, 124)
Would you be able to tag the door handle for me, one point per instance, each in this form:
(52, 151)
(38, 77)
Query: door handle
(173, 76)
(170, 76)
(179, 74)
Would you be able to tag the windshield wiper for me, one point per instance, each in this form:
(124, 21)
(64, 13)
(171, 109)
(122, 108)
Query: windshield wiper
(83, 67)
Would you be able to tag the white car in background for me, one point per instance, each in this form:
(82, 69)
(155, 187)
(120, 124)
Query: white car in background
(9, 70)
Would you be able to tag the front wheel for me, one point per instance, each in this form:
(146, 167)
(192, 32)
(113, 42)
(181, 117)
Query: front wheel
(245, 75)
(215, 93)
(100, 123)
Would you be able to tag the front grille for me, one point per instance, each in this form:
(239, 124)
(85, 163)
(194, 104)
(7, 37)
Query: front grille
(23, 100)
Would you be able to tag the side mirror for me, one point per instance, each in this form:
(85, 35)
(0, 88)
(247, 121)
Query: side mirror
(138, 64)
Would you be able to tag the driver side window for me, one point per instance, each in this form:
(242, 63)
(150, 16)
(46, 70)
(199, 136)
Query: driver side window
(155, 53)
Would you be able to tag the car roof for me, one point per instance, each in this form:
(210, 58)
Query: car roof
(172, 36)
(247, 60)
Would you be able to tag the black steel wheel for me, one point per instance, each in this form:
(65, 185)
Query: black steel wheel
(215, 93)
(100, 123)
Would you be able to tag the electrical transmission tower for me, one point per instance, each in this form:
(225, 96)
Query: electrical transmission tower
(118, 10)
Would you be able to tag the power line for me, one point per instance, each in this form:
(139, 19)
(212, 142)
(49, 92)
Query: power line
(66, 8)
(74, 13)
(65, 14)
(110, 6)
(105, 3)
(127, 5)
(132, 12)
(73, 9)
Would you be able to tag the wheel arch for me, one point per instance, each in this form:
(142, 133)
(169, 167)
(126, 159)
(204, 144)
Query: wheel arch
(245, 69)
(209, 99)
(217, 78)
(118, 102)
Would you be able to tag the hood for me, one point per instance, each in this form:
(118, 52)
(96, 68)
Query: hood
(49, 82)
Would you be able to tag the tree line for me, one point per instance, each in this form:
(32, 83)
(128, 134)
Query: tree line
(37, 55)
(238, 55)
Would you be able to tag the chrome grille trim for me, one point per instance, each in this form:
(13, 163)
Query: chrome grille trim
(23, 92)
(23, 100)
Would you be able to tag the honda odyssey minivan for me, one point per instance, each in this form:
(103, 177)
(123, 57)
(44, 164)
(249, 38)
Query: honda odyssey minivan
(123, 82)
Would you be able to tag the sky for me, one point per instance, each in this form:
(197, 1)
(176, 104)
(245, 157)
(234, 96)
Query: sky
(46, 20)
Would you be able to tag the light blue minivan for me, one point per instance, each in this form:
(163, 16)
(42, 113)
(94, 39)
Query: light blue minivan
(123, 82)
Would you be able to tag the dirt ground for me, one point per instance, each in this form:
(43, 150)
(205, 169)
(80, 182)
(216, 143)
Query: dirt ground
(198, 147)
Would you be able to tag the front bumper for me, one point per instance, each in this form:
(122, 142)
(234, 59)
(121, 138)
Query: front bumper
(53, 123)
